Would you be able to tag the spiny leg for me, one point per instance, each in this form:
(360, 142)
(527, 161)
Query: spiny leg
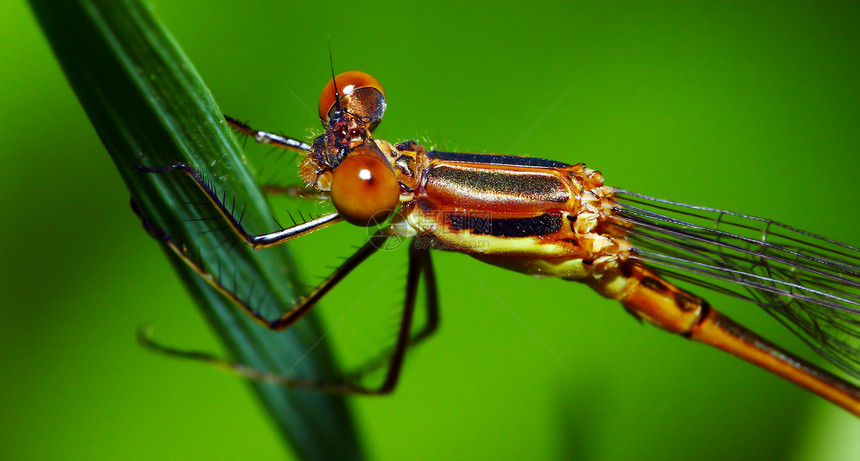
(432, 323)
(395, 364)
(300, 307)
(145, 340)
(419, 261)
(265, 137)
(300, 192)
(255, 241)
(281, 142)
(281, 323)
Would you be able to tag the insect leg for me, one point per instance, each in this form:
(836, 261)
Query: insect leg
(417, 261)
(255, 241)
(294, 312)
(432, 297)
(417, 258)
(265, 137)
(145, 339)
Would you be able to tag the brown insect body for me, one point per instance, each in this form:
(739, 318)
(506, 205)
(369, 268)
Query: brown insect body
(544, 218)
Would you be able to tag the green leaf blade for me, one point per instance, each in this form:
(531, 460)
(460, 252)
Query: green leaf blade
(144, 97)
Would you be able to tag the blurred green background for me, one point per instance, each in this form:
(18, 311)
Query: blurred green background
(749, 107)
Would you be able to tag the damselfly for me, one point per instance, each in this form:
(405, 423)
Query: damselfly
(551, 219)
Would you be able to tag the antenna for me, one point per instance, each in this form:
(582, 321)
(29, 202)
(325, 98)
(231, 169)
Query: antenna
(334, 82)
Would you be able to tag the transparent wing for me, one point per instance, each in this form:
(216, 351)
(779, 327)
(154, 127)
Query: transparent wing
(811, 284)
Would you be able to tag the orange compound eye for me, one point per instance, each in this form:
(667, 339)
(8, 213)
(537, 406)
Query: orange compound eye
(364, 190)
(360, 95)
